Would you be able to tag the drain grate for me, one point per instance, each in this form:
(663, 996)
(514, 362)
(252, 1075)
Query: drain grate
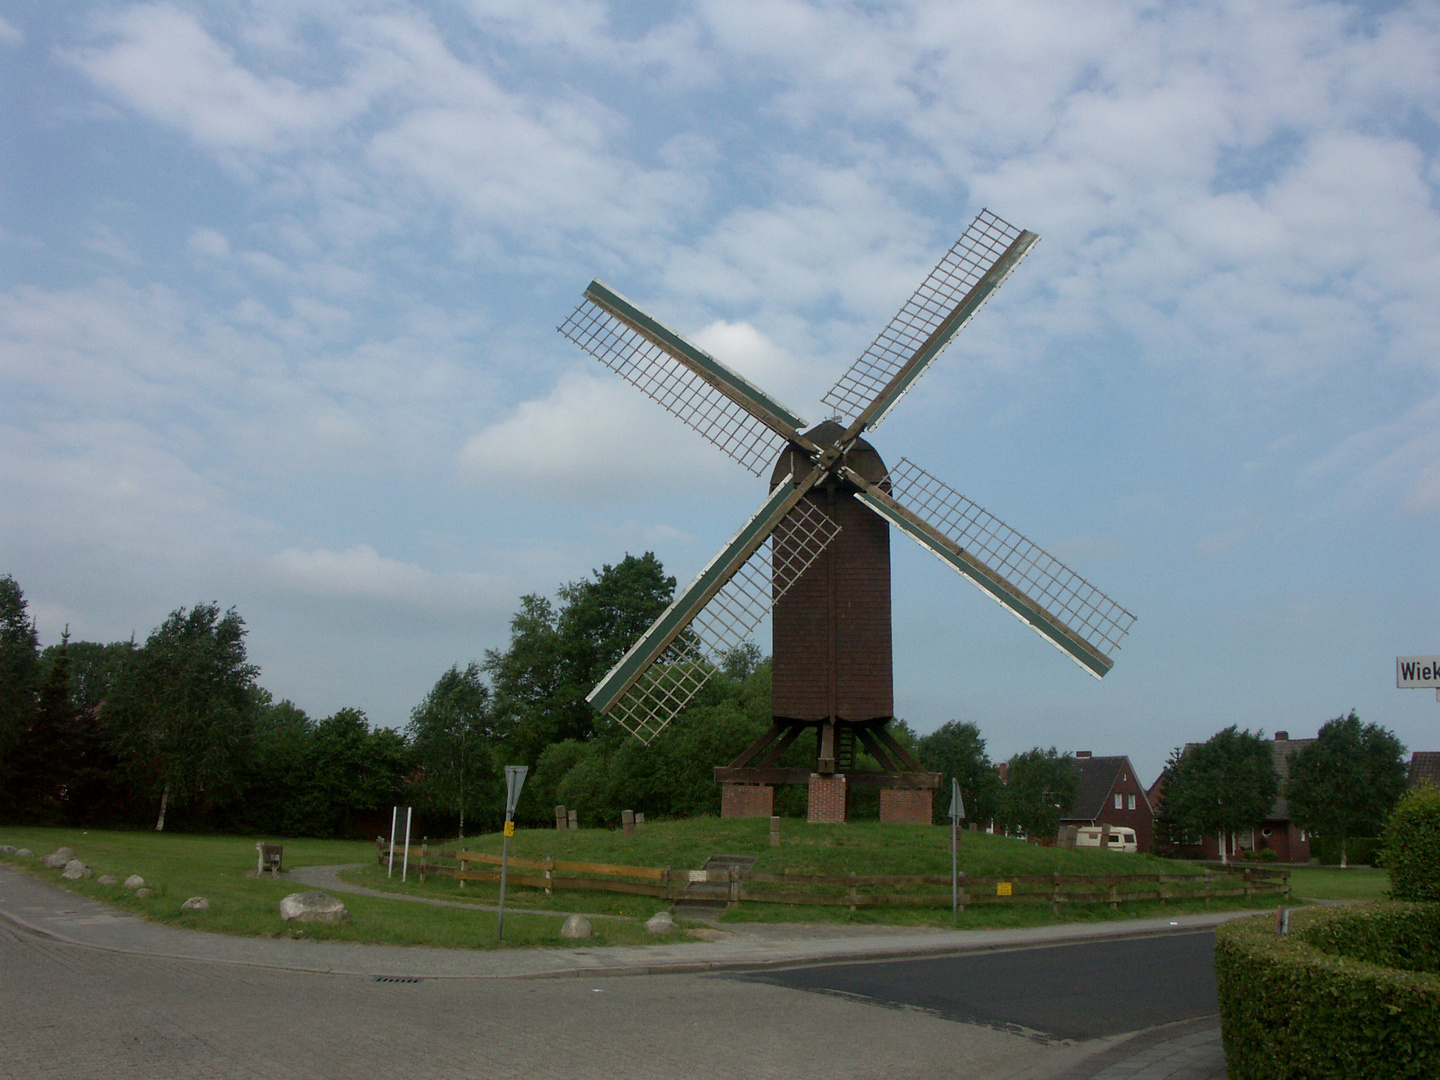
(398, 978)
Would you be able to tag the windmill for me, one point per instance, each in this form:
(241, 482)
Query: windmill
(825, 578)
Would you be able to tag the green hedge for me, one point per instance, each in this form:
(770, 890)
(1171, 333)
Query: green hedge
(1305, 1007)
(1412, 845)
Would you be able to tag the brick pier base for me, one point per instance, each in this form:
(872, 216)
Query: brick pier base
(827, 799)
(906, 806)
(746, 800)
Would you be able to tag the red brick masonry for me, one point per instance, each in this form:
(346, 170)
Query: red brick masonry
(827, 799)
(746, 800)
(906, 806)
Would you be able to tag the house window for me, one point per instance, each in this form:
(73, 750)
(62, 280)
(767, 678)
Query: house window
(1130, 800)
(1119, 801)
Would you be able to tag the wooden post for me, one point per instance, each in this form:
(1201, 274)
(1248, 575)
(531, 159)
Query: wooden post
(734, 879)
(549, 875)
(424, 848)
(639, 822)
(1055, 894)
(627, 823)
(1208, 879)
(379, 850)
(962, 898)
(463, 864)
(852, 890)
(574, 819)
(1114, 897)
(774, 831)
(1249, 890)
(560, 819)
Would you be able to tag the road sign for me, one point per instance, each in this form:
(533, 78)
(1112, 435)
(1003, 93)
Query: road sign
(957, 804)
(514, 781)
(1415, 672)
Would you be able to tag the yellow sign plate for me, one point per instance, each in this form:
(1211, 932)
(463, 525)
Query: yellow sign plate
(1002, 888)
(509, 828)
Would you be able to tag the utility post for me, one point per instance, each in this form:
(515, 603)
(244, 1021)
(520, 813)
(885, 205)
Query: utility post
(957, 811)
(514, 781)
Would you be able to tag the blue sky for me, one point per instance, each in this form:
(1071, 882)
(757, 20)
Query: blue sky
(279, 284)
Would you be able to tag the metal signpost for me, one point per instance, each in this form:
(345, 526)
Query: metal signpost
(1414, 672)
(514, 781)
(394, 821)
(957, 811)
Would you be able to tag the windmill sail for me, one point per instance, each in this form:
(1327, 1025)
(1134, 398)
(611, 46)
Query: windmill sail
(956, 289)
(716, 613)
(735, 415)
(1035, 586)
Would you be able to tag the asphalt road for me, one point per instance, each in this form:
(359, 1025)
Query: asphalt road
(1080, 991)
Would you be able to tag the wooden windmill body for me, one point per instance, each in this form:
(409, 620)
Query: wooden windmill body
(825, 581)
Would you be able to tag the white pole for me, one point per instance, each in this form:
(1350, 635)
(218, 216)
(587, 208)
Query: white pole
(390, 870)
(405, 866)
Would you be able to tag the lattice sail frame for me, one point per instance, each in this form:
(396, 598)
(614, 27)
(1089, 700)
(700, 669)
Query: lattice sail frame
(725, 623)
(658, 375)
(972, 256)
(1045, 579)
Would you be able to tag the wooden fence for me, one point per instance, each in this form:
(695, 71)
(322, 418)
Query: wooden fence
(850, 890)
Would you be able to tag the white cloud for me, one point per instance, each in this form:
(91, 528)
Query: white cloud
(10, 34)
(591, 438)
(361, 579)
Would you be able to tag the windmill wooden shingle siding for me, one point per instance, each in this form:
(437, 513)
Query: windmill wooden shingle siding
(816, 553)
(831, 636)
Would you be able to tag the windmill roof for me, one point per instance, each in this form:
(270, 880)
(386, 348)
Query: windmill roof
(1094, 779)
(1425, 765)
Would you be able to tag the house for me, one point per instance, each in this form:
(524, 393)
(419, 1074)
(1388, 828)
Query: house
(1277, 833)
(1107, 792)
(1425, 767)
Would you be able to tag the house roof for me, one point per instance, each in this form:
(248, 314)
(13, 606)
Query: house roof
(1095, 778)
(1425, 765)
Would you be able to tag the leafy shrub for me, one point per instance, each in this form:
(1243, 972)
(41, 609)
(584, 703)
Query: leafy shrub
(1307, 1006)
(1412, 845)
(1359, 850)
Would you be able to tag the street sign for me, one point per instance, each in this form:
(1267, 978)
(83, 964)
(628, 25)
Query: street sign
(514, 781)
(957, 804)
(1417, 671)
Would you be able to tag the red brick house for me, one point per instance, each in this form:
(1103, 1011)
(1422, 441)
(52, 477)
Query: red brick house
(1107, 792)
(1277, 832)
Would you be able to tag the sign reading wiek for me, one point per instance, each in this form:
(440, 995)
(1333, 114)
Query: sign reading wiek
(1417, 671)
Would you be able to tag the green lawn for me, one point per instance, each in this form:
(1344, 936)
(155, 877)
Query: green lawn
(1332, 883)
(178, 866)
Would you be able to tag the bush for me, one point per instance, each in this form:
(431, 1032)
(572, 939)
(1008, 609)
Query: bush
(1359, 850)
(1412, 845)
(1315, 1006)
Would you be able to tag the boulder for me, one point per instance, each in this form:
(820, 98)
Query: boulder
(576, 926)
(144, 894)
(196, 903)
(60, 857)
(316, 907)
(75, 869)
(25, 853)
(134, 881)
(6, 849)
(659, 923)
(105, 879)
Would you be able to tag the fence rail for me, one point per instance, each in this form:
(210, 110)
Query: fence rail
(852, 890)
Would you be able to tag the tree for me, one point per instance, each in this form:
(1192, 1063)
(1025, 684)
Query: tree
(353, 770)
(1039, 785)
(182, 707)
(1220, 786)
(450, 733)
(19, 678)
(556, 655)
(956, 751)
(1347, 781)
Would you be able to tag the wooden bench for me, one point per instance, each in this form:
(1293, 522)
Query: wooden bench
(268, 857)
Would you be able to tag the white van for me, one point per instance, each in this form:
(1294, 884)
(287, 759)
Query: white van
(1121, 838)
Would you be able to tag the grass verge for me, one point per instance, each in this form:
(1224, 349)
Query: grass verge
(1333, 883)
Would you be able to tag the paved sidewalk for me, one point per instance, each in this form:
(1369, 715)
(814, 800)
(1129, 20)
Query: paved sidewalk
(1192, 1054)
